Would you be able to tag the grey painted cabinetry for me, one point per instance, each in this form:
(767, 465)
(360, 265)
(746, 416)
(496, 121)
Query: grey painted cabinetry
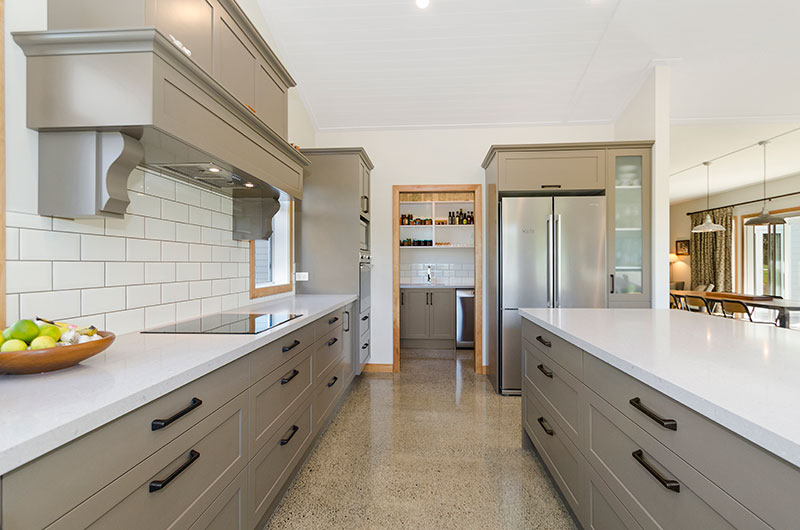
(221, 464)
(427, 317)
(626, 456)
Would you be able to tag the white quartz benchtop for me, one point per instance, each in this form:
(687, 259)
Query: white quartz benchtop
(744, 376)
(39, 413)
(434, 286)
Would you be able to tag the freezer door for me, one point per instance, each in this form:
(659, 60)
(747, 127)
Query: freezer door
(523, 251)
(580, 252)
(511, 360)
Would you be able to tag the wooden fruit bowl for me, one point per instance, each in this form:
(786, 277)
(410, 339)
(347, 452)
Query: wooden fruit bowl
(50, 359)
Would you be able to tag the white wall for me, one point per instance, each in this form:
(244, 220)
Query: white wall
(430, 156)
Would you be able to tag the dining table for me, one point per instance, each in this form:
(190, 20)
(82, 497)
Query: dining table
(782, 306)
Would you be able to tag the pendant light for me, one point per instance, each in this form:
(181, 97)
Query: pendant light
(708, 225)
(765, 218)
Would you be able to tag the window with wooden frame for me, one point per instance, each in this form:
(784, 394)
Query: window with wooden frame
(271, 261)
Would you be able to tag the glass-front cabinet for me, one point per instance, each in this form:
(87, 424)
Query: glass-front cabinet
(628, 199)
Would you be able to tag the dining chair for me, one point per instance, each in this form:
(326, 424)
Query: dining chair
(709, 288)
(701, 287)
(695, 304)
(675, 302)
(739, 310)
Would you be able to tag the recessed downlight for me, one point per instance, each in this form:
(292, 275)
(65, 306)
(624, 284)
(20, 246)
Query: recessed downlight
(422, 4)
(248, 184)
(213, 169)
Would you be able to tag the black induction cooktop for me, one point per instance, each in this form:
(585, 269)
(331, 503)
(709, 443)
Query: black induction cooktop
(228, 323)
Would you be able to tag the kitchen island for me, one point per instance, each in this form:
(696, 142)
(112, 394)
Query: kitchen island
(663, 418)
(101, 441)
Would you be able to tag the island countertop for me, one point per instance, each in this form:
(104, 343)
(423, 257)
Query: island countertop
(743, 376)
(44, 411)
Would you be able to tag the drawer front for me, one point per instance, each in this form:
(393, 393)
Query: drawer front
(330, 389)
(227, 512)
(269, 357)
(329, 322)
(559, 350)
(363, 348)
(698, 441)
(270, 468)
(559, 454)
(112, 450)
(603, 510)
(274, 397)
(363, 322)
(554, 386)
(631, 462)
(172, 488)
(327, 353)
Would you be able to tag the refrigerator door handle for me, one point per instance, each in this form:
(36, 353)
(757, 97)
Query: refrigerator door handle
(550, 301)
(557, 263)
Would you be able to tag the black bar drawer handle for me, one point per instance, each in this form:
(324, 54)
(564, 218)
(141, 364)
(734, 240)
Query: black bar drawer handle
(288, 439)
(333, 381)
(545, 186)
(287, 378)
(546, 426)
(333, 341)
(332, 321)
(544, 341)
(666, 423)
(365, 346)
(672, 485)
(547, 373)
(157, 485)
(294, 345)
(160, 424)
(364, 318)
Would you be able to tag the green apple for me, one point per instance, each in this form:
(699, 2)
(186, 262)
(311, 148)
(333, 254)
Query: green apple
(24, 330)
(49, 330)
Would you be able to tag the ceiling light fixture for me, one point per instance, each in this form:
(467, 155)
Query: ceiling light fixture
(765, 218)
(213, 169)
(708, 225)
(422, 4)
(248, 184)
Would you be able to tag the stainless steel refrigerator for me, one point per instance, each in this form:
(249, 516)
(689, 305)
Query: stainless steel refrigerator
(552, 254)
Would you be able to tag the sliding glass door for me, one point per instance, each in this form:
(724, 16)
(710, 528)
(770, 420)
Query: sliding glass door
(772, 259)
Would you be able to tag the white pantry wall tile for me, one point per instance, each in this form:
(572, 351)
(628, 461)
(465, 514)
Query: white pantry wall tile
(159, 272)
(212, 201)
(94, 225)
(211, 305)
(12, 243)
(231, 270)
(220, 287)
(159, 315)
(174, 292)
(227, 205)
(103, 300)
(199, 216)
(28, 220)
(129, 321)
(145, 205)
(159, 229)
(28, 276)
(199, 289)
(221, 254)
(188, 310)
(174, 211)
(78, 274)
(174, 251)
(41, 245)
(187, 194)
(136, 180)
(143, 250)
(188, 233)
(102, 248)
(12, 308)
(212, 271)
(124, 273)
(52, 305)
(188, 271)
(129, 226)
(229, 302)
(142, 295)
(200, 253)
(159, 186)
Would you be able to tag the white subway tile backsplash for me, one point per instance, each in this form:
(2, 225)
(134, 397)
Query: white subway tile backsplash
(28, 220)
(27, 276)
(78, 274)
(125, 321)
(221, 254)
(174, 211)
(98, 321)
(124, 273)
(174, 251)
(200, 216)
(220, 287)
(211, 271)
(244, 269)
(102, 248)
(221, 220)
(52, 305)
(142, 295)
(159, 315)
(238, 285)
(12, 243)
(12, 308)
(174, 292)
(188, 271)
(200, 253)
(159, 272)
(211, 236)
(159, 229)
(143, 250)
(187, 194)
(231, 270)
(159, 186)
(229, 302)
(188, 310)
(227, 205)
(211, 305)
(145, 205)
(95, 225)
(200, 289)
(104, 300)
(211, 201)
(130, 226)
(42, 245)
(240, 255)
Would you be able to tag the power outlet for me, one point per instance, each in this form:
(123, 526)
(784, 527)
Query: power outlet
(301, 276)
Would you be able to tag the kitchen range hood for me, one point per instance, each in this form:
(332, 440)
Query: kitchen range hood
(201, 98)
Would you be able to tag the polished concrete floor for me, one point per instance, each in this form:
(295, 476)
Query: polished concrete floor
(430, 447)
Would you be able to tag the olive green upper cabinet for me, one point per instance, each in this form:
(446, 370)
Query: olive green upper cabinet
(583, 169)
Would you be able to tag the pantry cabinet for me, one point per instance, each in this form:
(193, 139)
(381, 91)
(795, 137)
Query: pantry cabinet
(427, 317)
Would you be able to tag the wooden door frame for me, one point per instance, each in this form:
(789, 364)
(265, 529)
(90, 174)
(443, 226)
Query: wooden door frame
(477, 191)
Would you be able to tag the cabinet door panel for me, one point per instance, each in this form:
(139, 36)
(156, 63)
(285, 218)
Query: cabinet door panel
(548, 170)
(365, 199)
(236, 65)
(443, 314)
(271, 104)
(192, 23)
(414, 318)
(227, 512)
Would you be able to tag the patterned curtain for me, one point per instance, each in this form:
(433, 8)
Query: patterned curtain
(711, 251)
